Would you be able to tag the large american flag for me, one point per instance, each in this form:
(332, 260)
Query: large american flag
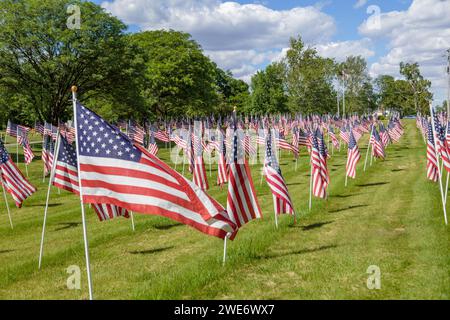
(353, 156)
(114, 171)
(13, 180)
(242, 203)
(66, 177)
(432, 161)
(272, 171)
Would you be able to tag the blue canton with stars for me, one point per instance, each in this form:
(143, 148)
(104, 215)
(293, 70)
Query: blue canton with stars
(97, 138)
(4, 156)
(67, 153)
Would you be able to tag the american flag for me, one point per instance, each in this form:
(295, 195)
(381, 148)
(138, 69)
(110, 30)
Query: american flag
(319, 183)
(135, 132)
(152, 146)
(324, 155)
(384, 135)
(222, 169)
(242, 203)
(66, 178)
(199, 175)
(47, 153)
(353, 156)
(162, 135)
(441, 143)
(14, 129)
(377, 144)
(27, 152)
(189, 151)
(333, 137)
(272, 171)
(393, 131)
(39, 128)
(345, 134)
(432, 164)
(47, 129)
(12, 179)
(114, 171)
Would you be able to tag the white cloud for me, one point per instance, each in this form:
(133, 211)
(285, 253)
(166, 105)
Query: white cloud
(360, 4)
(342, 49)
(419, 34)
(239, 37)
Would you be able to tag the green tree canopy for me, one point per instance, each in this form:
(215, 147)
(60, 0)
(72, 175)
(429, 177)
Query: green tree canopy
(41, 58)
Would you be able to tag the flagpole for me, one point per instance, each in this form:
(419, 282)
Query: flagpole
(132, 220)
(6, 202)
(275, 211)
(368, 147)
(83, 215)
(439, 171)
(225, 248)
(43, 143)
(52, 176)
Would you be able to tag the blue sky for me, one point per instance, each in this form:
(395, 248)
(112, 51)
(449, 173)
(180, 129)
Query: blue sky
(245, 36)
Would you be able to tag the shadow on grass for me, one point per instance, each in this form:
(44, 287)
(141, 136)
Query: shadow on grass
(294, 183)
(372, 184)
(315, 225)
(7, 251)
(67, 225)
(151, 251)
(397, 170)
(167, 226)
(50, 205)
(348, 208)
(344, 196)
(302, 251)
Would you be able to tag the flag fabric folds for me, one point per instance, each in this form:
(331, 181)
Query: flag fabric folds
(353, 157)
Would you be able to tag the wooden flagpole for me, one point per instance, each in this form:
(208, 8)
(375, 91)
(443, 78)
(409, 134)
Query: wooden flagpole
(52, 176)
(83, 215)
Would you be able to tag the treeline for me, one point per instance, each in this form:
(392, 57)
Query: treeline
(161, 74)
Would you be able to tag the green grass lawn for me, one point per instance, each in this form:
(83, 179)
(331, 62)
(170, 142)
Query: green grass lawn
(390, 216)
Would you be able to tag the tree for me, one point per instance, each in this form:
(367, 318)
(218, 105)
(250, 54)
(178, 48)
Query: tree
(232, 92)
(268, 91)
(309, 79)
(41, 58)
(420, 86)
(178, 77)
(353, 75)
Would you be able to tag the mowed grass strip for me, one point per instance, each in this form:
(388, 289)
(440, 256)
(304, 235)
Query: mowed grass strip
(390, 216)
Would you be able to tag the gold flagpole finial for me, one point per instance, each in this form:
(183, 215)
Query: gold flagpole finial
(74, 89)
(234, 109)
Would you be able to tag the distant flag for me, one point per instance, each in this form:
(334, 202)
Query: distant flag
(39, 128)
(432, 161)
(441, 143)
(384, 135)
(152, 146)
(377, 145)
(27, 152)
(353, 157)
(242, 203)
(114, 171)
(319, 182)
(199, 176)
(222, 169)
(275, 180)
(47, 153)
(333, 137)
(13, 180)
